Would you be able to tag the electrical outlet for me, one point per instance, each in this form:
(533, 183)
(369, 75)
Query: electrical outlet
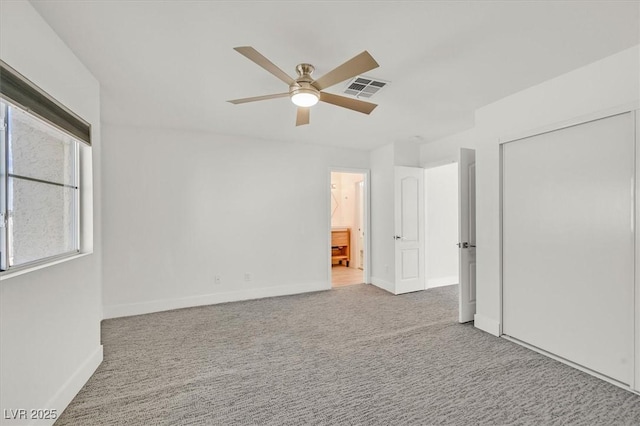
(217, 279)
(247, 276)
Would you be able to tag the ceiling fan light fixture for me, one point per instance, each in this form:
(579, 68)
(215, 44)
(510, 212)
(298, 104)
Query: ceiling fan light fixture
(305, 97)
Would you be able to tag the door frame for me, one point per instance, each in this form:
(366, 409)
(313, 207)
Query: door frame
(634, 108)
(366, 193)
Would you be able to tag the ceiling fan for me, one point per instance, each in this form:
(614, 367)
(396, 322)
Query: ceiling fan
(305, 92)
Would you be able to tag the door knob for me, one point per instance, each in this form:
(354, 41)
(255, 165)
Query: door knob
(397, 237)
(465, 245)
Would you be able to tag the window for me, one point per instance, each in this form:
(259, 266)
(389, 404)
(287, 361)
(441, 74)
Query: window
(39, 176)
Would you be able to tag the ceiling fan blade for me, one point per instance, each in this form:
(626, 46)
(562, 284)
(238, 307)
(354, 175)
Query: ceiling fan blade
(259, 59)
(302, 117)
(344, 102)
(259, 98)
(357, 65)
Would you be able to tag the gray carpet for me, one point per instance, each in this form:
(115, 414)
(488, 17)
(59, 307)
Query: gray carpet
(354, 355)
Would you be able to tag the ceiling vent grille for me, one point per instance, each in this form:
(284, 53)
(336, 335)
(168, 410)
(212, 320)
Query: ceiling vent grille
(364, 87)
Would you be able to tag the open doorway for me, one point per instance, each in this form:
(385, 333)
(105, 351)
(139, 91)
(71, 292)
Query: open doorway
(348, 226)
(450, 200)
(441, 223)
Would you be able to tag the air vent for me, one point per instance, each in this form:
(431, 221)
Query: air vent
(357, 87)
(364, 87)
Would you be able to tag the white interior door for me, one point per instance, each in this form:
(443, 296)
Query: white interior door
(568, 243)
(409, 229)
(467, 233)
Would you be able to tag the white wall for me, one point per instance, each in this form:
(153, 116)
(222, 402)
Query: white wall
(605, 84)
(406, 153)
(446, 150)
(50, 318)
(441, 211)
(181, 207)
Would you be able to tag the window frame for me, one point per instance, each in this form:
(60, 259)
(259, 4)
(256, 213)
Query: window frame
(20, 92)
(6, 216)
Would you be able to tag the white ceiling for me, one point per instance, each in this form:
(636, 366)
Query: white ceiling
(171, 64)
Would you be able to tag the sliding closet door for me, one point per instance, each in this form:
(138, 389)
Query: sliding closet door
(568, 246)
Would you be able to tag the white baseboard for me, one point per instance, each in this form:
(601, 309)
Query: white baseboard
(129, 309)
(489, 325)
(600, 376)
(72, 386)
(385, 285)
(442, 281)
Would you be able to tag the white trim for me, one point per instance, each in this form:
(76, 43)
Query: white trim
(63, 397)
(635, 377)
(10, 274)
(570, 363)
(489, 325)
(501, 233)
(442, 281)
(609, 112)
(129, 309)
(385, 285)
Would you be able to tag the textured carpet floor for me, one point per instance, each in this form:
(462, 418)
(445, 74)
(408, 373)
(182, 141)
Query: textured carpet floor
(354, 355)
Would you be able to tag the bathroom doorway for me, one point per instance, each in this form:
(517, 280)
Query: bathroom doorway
(349, 222)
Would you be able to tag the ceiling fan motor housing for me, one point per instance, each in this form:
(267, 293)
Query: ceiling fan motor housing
(303, 85)
(305, 70)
